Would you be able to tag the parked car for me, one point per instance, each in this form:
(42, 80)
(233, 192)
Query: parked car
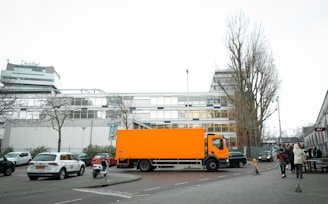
(19, 158)
(6, 167)
(237, 159)
(84, 157)
(100, 156)
(56, 164)
(266, 156)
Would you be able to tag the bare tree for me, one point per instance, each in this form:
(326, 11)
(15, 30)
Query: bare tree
(254, 78)
(7, 105)
(121, 108)
(56, 110)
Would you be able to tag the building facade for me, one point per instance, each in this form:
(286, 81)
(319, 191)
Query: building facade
(317, 135)
(93, 111)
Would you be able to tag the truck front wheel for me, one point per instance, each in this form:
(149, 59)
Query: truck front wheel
(144, 165)
(212, 165)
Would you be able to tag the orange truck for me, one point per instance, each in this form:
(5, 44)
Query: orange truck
(147, 149)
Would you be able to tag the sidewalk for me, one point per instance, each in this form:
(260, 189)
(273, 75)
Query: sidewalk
(266, 188)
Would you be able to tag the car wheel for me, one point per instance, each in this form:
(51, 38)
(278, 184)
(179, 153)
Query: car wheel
(240, 164)
(33, 178)
(62, 174)
(81, 172)
(8, 172)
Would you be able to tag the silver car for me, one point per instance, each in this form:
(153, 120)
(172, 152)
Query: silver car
(55, 164)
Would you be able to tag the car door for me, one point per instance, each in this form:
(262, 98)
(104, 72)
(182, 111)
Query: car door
(22, 158)
(2, 164)
(74, 162)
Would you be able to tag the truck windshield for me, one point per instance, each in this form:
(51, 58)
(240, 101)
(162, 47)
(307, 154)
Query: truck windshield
(218, 143)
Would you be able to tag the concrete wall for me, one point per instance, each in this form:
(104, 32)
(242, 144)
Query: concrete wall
(22, 135)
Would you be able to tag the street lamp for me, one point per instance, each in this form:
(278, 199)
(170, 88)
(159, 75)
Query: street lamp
(83, 128)
(187, 98)
(279, 119)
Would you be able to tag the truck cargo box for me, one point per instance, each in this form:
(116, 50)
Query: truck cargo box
(160, 144)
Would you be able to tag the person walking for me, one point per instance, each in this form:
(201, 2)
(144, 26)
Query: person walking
(298, 160)
(290, 154)
(282, 158)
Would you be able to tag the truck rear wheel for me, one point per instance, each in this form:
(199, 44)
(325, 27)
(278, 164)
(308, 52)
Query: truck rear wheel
(212, 165)
(144, 165)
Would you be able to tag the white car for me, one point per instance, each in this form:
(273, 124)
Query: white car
(19, 158)
(55, 164)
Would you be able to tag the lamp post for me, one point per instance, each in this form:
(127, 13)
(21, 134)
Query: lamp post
(187, 98)
(279, 119)
(83, 128)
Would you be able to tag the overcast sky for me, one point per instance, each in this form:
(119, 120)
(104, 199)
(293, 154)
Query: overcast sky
(147, 45)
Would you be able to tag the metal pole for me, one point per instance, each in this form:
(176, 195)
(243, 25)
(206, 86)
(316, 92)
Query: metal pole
(91, 132)
(83, 128)
(279, 119)
(187, 98)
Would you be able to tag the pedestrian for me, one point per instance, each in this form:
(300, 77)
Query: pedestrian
(290, 154)
(282, 158)
(299, 159)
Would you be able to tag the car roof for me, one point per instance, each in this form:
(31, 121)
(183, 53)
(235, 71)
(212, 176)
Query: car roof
(57, 153)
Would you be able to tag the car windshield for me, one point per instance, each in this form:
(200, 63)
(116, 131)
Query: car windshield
(45, 157)
(265, 153)
(11, 155)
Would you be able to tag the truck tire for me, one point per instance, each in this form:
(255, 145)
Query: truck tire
(212, 165)
(144, 165)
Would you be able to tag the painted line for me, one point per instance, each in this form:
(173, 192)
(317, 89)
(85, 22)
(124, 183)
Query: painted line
(118, 194)
(69, 201)
(222, 176)
(236, 174)
(178, 184)
(151, 189)
(205, 179)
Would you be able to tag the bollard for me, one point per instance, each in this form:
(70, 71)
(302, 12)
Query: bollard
(298, 189)
(256, 170)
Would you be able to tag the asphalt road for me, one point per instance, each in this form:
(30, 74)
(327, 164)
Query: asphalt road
(17, 188)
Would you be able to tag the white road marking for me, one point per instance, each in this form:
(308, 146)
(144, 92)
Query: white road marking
(69, 201)
(151, 189)
(222, 176)
(111, 193)
(236, 174)
(205, 179)
(178, 184)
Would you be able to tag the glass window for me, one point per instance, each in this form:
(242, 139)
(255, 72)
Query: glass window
(218, 143)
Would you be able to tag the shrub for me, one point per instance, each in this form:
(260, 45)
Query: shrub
(38, 150)
(8, 149)
(92, 150)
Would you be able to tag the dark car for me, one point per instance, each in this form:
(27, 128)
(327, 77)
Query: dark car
(84, 157)
(237, 159)
(6, 167)
(266, 156)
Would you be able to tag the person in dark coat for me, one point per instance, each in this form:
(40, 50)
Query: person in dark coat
(290, 154)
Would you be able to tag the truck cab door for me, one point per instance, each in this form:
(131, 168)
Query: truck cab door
(216, 147)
